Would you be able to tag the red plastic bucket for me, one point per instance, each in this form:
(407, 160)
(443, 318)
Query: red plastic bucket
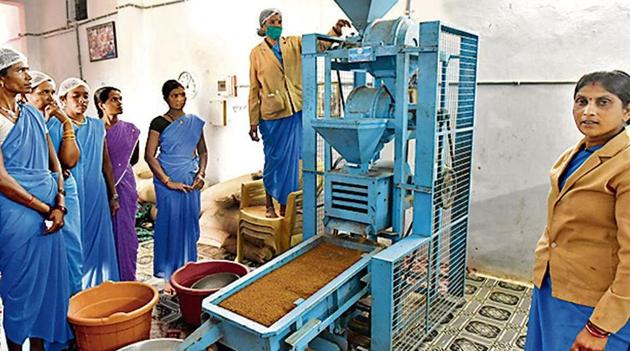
(185, 277)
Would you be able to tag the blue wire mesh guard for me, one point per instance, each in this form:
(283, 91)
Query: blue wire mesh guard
(420, 280)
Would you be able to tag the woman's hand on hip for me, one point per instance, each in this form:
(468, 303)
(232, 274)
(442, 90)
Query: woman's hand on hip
(586, 342)
(198, 183)
(179, 186)
(253, 132)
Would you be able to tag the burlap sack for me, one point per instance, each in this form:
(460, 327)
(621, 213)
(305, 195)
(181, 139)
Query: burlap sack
(146, 190)
(252, 253)
(142, 170)
(224, 194)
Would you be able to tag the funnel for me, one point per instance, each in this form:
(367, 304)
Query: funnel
(355, 139)
(364, 12)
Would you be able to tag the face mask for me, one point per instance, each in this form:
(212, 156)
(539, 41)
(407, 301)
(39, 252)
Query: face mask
(274, 32)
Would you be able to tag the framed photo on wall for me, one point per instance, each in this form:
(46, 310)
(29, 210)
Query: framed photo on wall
(102, 42)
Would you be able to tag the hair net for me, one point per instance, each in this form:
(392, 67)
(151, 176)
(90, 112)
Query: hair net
(39, 78)
(9, 57)
(264, 16)
(71, 83)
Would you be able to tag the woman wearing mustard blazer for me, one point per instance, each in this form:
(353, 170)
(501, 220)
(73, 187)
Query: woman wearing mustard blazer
(582, 262)
(275, 105)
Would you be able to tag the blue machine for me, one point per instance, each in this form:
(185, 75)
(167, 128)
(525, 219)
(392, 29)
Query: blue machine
(412, 103)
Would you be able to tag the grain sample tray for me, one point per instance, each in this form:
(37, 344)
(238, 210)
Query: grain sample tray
(287, 302)
(274, 295)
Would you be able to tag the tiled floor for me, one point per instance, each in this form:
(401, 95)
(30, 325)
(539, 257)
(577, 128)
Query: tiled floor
(493, 316)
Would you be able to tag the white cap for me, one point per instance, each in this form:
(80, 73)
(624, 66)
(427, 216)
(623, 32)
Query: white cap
(71, 83)
(9, 57)
(39, 78)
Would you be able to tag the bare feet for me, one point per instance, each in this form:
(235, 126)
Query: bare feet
(168, 288)
(271, 213)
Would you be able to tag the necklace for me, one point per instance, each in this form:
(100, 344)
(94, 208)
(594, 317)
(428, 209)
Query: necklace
(10, 115)
(172, 119)
(77, 123)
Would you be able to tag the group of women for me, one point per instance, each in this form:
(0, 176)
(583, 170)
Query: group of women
(68, 195)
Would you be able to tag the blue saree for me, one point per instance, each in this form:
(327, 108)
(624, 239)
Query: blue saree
(100, 262)
(34, 285)
(71, 230)
(177, 223)
(282, 145)
(554, 324)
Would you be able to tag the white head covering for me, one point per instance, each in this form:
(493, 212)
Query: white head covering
(39, 78)
(9, 57)
(264, 16)
(71, 83)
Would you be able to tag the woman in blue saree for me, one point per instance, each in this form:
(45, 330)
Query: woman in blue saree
(98, 199)
(34, 283)
(178, 175)
(42, 98)
(275, 105)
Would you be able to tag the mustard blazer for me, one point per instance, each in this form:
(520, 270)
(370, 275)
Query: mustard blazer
(275, 91)
(586, 242)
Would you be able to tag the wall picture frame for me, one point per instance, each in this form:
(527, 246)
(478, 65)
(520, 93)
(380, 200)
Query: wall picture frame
(102, 42)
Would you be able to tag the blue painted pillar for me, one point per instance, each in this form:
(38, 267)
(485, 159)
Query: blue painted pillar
(309, 150)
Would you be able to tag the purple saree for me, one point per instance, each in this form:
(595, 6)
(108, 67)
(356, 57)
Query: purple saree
(122, 139)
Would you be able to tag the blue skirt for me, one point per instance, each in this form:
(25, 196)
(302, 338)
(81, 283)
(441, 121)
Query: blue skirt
(282, 144)
(554, 324)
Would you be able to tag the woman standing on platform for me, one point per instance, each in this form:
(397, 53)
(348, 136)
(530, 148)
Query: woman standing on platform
(122, 146)
(178, 175)
(275, 105)
(33, 263)
(94, 177)
(42, 97)
(582, 263)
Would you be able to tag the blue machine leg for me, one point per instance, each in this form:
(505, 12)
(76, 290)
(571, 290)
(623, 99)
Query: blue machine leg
(206, 335)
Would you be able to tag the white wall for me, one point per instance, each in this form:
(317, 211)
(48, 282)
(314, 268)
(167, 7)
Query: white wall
(520, 129)
(12, 23)
(207, 38)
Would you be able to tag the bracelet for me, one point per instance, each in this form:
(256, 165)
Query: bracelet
(595, 331)
(61, 192)
(71, 137)
(115, 197)
(61, 208)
